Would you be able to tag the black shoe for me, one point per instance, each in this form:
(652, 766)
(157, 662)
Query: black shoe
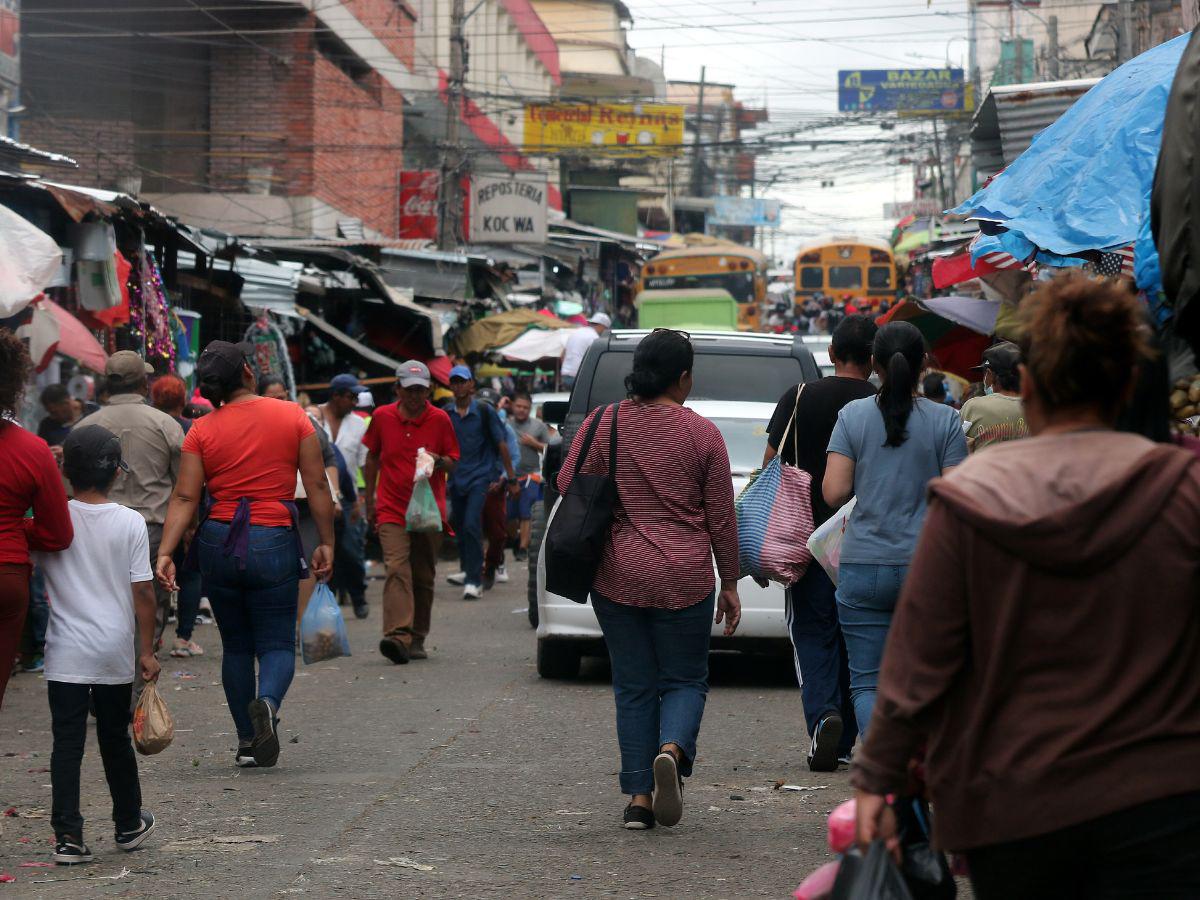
(265, 745)
(668, 789)
(394, 650)
(638, 818)
(70, 850)
(243, 757)
(823, 754)
(520, 555)
(361, 610)
(131, 840)
(489, 579)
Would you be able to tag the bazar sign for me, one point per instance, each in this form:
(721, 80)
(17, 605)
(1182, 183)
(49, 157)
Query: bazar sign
(508, 209)
(892, 90)
(745, 211)
(633, 129)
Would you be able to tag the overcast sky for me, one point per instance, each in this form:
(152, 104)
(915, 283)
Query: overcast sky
(786, 54)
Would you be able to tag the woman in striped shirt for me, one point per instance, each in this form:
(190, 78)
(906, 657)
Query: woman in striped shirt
(655, 591)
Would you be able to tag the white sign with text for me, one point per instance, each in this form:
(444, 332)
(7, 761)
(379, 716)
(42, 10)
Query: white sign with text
(508, 209)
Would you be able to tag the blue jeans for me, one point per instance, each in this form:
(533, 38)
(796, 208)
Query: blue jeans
(466, 518)
(866, 599)
(187, 602)
(349, 559)
(821, 669)
(255, 608)
(660, 682)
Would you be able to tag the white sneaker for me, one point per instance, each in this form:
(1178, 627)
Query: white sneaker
(502, 574)
(458, 578)
(472, 592)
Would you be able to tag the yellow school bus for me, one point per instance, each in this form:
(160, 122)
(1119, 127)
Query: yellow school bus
(857, 268)
(739, 270)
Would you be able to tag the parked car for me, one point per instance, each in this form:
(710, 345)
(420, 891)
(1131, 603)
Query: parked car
(738, 379)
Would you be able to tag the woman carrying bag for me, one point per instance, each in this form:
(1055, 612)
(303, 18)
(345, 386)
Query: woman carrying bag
(654, 590)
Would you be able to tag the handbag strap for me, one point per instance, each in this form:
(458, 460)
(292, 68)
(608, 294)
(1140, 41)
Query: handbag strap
(587, 439)
(792, 422)
(612, 444)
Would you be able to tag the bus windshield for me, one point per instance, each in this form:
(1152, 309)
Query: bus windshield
(739, 284)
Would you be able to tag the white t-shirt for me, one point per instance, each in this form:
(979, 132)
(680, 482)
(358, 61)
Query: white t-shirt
(577, 344)
(349, 441)
(92, 634)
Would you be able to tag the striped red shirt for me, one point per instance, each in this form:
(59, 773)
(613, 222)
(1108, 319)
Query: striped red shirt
(676, 505)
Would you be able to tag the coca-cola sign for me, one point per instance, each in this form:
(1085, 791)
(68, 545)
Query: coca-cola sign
(418, 205)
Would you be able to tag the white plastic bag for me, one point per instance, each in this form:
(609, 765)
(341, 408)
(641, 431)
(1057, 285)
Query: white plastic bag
(826, 540)
(425, 464)
(29, 260)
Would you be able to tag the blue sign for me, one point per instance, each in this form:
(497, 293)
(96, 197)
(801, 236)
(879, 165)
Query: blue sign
(745, 211)
(902, 90)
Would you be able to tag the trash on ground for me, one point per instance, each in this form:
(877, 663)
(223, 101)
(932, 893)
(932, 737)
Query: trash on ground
(404, 862)
(221, 843)
(36, 865)
(798, 787)
(5, 878)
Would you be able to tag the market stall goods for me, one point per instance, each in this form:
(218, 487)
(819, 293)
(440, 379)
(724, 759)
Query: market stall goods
(1185, 406)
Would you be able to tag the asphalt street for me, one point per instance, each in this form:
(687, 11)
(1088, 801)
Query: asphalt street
(465, 775)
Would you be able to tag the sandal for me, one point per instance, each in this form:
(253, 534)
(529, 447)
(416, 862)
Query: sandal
(184, 649)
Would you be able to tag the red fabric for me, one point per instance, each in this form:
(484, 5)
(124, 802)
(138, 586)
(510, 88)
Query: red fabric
(960, 351)
(956, 269)
(74, 340)
(250, 449)
(676, 509)
(29, 478)
(396, 440)
(439, 367)
(119, 314)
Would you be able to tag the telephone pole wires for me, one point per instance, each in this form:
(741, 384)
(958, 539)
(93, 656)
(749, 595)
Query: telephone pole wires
(450, 203)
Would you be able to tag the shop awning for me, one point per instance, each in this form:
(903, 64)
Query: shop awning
(340, 336)
(432, 274)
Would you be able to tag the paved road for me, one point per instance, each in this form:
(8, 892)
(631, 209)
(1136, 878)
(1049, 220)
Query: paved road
(468, 763)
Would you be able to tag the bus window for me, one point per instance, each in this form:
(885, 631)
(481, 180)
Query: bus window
(739, 284)
(845, 277)
(812, 277)
(879, 277)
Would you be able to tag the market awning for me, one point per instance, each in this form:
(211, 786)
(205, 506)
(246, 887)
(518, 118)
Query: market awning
(439, 366)
(432, 274)
(502, 329)
(537, 343)
(54, 330)
(1011, 115)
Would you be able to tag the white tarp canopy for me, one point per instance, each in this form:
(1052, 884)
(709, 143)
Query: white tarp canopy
(537, 343)
(29, 260)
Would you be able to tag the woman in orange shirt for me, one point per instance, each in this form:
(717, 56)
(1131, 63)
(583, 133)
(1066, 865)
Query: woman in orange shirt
(248, 543)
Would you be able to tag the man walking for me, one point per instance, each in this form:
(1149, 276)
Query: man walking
(999, 416)
(396, 433)
(577, 344)
(346, 431)
(533, 435)
(151, 442)
(821, 663)
(483, 446)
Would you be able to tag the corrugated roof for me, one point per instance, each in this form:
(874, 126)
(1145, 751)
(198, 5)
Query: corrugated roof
(1013, 114)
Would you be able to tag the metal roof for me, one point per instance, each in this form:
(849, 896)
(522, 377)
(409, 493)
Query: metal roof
(1012, 115)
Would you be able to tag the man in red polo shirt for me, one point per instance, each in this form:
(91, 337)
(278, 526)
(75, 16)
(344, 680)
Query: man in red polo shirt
(397, 431)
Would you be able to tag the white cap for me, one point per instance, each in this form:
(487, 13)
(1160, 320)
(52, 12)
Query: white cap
(365, 400)
(600, 319)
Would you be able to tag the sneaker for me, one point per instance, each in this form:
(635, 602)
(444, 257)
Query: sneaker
(457, 579)
(34, 664)
(361, 610)
(521, 555)
(417, 649)
(489, 579)
(823, 754)
(203, 619)
(131, 840)
(70, 850)
(502, 575)
(265, 745)
(668, 789)
(638, 818)
(183, 649)
(472, 592)
(243, 757)
(845, 759)
(395, 650)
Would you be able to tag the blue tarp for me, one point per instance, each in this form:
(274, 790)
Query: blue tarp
(1083, 183)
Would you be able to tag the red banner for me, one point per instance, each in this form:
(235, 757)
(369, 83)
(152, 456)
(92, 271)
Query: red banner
(418, 205)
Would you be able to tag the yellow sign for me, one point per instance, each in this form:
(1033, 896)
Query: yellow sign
(619, 129)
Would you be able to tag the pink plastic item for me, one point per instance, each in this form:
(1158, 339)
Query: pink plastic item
(842, 824)
(819, 884)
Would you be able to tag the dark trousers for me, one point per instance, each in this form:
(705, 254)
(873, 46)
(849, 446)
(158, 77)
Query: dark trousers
(495, 526)
(187, 601)
(33, 636)
(349, 559)
(68, 717)
(821, 667)
(1148, 850)
(14, 605)
(466, 518)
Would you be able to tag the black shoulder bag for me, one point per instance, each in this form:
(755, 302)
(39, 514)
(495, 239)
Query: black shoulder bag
(582, 521)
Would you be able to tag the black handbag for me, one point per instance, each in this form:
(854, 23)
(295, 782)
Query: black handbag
(582, 521)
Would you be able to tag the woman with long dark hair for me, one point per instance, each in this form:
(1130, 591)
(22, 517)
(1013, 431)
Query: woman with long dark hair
(654, 593)
(884, 451)
(248, 547)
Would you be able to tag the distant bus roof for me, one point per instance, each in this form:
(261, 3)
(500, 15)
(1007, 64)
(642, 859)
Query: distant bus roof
(712, 250)
(836, 239)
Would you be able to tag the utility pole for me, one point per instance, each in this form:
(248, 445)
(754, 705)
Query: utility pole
(941, 177)
(1052, 38)
(1124, 30)
(696, 161)
(450, 196)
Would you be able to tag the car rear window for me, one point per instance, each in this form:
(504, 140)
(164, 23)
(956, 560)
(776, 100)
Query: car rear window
(718, 376)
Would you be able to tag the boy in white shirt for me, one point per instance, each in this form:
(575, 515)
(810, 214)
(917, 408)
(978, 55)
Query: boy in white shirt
(97, 625)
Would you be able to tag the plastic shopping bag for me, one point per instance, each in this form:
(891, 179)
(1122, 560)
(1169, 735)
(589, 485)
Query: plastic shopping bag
(874, 876)
(774, 522)
(423, 513)
(826, 540)
(153, 727)
(322, 629)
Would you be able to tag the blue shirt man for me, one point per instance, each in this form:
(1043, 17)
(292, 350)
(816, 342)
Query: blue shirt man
(482, 441)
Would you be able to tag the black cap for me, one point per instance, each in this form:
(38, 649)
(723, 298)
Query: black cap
(222, 360)
(92, 448)
(1003, 357)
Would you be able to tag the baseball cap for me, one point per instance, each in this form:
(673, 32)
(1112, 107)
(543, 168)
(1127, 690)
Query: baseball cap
(1002, 357)
(345, 384)
(600, 319)
(366, 400)
(92, 448)
(222, 360)
(413, 373)
(127, 366)
(461, 372)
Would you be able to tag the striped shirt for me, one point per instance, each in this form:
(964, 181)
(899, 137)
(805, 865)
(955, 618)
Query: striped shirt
(676, 506)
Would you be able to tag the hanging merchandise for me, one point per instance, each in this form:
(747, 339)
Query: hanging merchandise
(51, 329)
(149, 314)
(29, 261)
(119, 313)
(271, 352)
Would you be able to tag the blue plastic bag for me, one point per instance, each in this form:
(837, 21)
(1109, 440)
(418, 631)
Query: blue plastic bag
(322, 629)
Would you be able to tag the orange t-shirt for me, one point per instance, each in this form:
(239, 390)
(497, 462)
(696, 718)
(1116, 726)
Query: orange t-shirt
(250, 449)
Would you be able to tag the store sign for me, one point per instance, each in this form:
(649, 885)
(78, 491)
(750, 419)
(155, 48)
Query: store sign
(902, 90)
(922, 207)
(745, 211)
(622, 129)
(418, 205)
(508, 209)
